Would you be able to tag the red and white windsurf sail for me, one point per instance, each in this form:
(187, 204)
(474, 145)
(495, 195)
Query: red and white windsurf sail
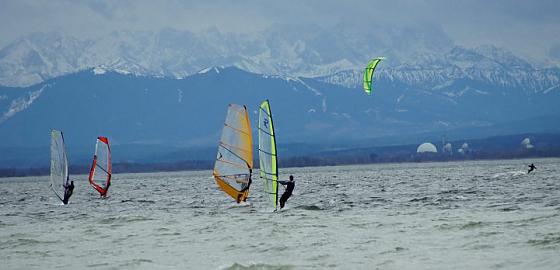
(100, 173)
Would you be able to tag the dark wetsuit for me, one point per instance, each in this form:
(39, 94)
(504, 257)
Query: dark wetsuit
(243, 190)
(290, 185)
(103, 192)
(531, 168)
(68, 190)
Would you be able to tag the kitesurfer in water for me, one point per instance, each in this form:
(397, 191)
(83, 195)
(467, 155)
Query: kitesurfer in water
(290, 185)
(245, 187)
(68, 190)
(531, 168)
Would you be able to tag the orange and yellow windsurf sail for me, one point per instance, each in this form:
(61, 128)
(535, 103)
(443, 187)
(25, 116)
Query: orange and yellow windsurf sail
(234, 161)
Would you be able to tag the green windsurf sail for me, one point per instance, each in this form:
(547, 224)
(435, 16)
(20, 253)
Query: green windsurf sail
(268, 160)
(368, 73)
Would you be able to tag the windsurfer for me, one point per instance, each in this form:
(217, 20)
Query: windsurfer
(103, 192)
(531, 168)
(68, 190)
(290, 185)
(245, 188)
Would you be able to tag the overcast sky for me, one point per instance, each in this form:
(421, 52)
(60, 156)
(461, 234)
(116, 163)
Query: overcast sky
(528, 27)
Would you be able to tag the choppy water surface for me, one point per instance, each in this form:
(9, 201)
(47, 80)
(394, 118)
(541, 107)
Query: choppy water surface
(464, 215)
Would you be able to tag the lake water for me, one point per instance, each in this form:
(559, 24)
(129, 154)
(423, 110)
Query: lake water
(459, 215)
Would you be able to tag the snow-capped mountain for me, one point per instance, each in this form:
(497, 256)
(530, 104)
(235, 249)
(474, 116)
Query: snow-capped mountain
(485, 64)
(424, 58)
(139, 109)
(162, 114)
(426, 82)
(281, 50)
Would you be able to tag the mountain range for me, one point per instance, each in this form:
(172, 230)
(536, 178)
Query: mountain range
(169, 90)
(188, 113)
(426, 54)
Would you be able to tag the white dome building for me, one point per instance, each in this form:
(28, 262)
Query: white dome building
(426, 148)
(447, 148)
(464, 148)
(527, 143)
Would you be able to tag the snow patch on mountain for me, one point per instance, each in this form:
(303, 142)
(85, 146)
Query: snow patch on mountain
(179, 95)
(99, 71)
(307, 86)
(215, 70)
(20, 104)
(556, 87)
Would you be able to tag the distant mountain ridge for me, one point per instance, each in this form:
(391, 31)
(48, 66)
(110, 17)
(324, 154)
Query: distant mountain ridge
(486, 64)
(132, 107)
(169, 89)
(161, 119)
(424, 57)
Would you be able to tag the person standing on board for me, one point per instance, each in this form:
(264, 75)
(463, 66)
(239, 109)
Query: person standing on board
(103, 192)
(290, 185)
(531, 168)
(68, 190)
(245, 187)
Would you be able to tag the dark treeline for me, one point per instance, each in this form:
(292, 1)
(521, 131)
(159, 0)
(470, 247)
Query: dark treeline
(346, 157)
(360, 158)
(163, 167)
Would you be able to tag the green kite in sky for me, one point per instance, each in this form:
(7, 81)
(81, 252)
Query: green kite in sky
(368, 73)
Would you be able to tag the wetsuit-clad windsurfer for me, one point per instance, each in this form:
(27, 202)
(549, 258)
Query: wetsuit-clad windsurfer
(245, 187)
(103, 192)
(68, 190)
(531, 168)
(290, 185)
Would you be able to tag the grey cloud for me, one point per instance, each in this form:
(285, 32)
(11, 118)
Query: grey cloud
(554, 52)
(514, 24)
(112, 10)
